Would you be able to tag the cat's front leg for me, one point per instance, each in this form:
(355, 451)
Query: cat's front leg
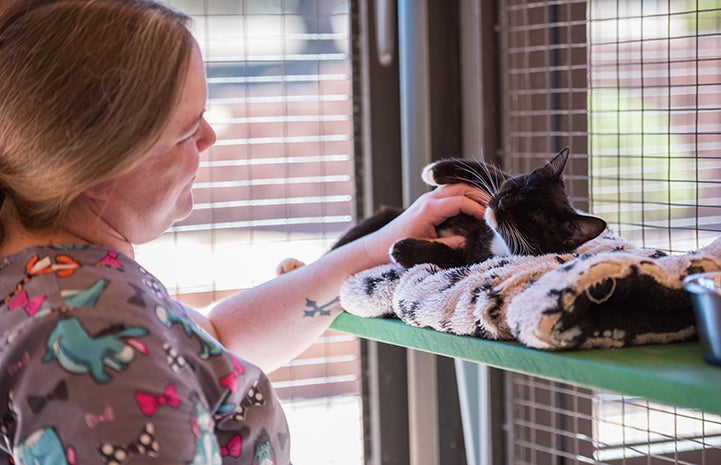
(410, 252)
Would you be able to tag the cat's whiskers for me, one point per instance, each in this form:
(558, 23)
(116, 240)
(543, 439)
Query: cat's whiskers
(478, 180)
(518, 244)
(491, 179)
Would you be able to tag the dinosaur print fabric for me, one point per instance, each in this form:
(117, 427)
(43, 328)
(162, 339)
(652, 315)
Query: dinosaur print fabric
(98, 365)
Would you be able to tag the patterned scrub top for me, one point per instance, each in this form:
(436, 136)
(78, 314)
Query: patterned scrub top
(99, 365)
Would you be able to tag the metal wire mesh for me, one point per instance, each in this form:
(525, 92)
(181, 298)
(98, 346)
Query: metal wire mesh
(654, 100)
(543, 64)
(633, 87)
(633, 430)
(556, 423)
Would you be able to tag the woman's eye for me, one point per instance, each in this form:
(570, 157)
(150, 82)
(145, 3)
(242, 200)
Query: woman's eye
(192, 136)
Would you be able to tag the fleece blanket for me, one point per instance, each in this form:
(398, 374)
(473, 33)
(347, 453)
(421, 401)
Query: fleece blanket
(607, 293)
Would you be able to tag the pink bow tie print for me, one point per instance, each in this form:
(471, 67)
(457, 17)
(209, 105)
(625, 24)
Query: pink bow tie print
(149, 403)
(233, 447)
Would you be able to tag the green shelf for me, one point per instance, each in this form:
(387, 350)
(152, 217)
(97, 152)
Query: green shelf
(674, 374)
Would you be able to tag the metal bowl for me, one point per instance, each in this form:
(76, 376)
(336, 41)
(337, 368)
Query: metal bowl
(705, 290)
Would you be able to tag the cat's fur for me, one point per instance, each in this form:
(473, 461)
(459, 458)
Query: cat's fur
(528, 214)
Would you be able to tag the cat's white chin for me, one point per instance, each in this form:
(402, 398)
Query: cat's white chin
(498, 245)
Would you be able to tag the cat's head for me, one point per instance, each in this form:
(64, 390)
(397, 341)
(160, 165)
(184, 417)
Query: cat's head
(533, 213)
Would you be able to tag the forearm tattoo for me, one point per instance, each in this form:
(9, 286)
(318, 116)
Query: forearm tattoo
(312, 308)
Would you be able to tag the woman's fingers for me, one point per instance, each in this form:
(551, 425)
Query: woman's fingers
(452, 199)
(454, 242)
(430, 210)
(479, 197)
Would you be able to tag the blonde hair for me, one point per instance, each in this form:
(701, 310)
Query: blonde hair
(86, 88)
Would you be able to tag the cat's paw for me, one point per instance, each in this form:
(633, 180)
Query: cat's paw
(410, 252)
(400, 252)
(288, 265)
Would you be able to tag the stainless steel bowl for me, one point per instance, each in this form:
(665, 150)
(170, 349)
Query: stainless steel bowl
(705, 290)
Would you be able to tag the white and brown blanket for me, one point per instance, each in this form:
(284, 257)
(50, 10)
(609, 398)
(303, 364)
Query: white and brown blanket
(608, 293)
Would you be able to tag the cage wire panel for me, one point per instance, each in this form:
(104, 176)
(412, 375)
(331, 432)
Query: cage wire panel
(654, 129)
(634, 89)
(543, 64)
(556, 423)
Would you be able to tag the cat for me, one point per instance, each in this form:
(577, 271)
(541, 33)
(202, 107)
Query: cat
(527, 214)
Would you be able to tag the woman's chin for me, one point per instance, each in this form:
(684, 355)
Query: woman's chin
(185, 208)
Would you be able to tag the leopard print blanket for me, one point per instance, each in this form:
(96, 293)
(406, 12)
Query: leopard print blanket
(608, 293)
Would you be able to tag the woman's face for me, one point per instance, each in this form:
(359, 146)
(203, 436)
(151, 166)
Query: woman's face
(143, 203)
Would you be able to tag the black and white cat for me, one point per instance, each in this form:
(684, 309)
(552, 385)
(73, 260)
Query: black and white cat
(527, 214)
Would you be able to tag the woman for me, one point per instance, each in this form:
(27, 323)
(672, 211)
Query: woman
(101, 130)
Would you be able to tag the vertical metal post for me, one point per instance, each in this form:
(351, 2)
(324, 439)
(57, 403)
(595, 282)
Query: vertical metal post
(480, 388)
(415, 154)
(378, 171)
(473, 397)
(415, 95)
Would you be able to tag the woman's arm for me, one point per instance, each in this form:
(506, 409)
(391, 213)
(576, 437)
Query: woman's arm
(275, 321)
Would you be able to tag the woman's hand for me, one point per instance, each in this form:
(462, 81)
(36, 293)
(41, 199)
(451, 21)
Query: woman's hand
(419, 221)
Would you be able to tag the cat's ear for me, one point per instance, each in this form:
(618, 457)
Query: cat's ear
(554, 168)
(582, 228)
